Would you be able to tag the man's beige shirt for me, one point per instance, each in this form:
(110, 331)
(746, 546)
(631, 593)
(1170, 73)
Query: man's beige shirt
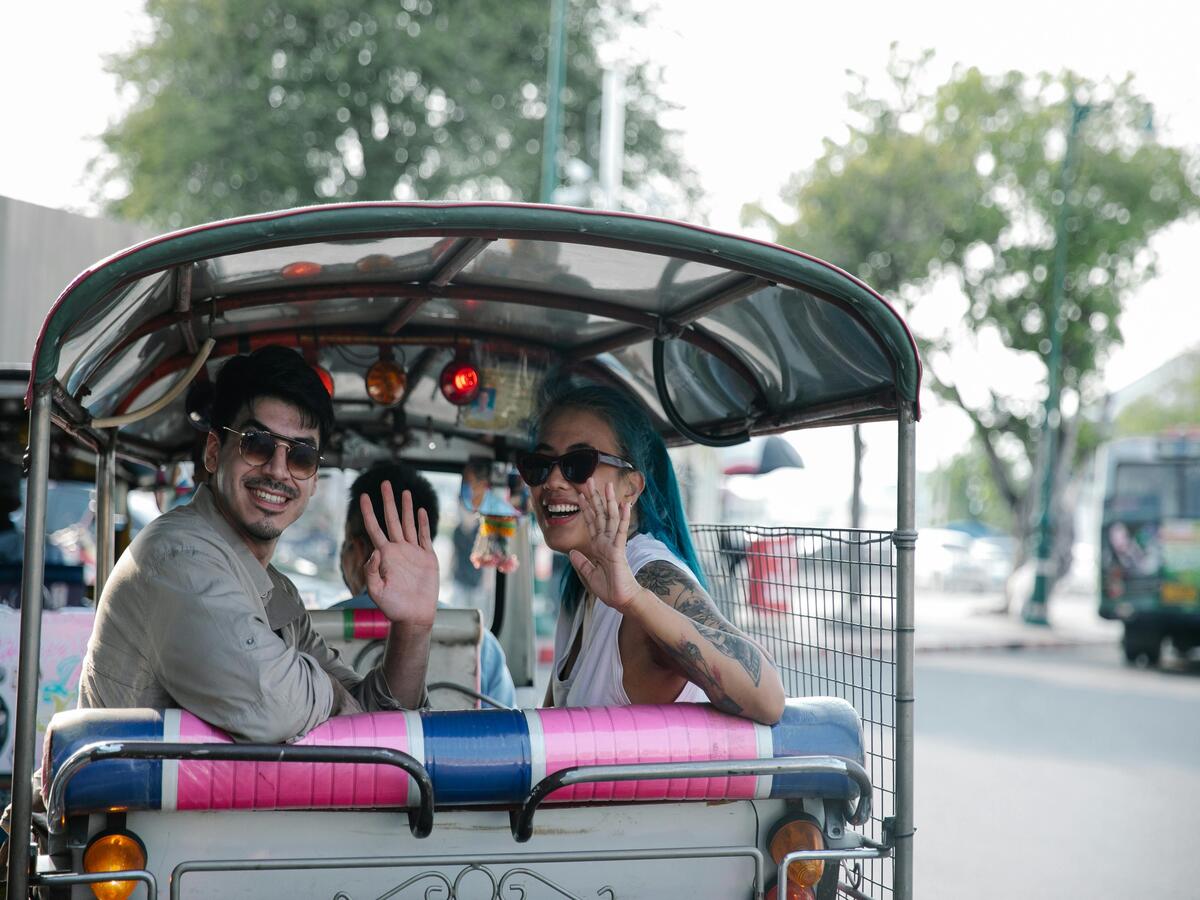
(189, 618)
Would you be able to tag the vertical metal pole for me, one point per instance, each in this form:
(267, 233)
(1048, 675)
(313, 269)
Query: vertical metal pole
(612, 137)
(31, 638)
(905, 542)
(106, 490)
(556, 74)
(1035, 609)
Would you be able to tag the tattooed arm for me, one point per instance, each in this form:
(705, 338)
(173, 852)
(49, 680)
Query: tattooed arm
(670, 629)
(690, 637)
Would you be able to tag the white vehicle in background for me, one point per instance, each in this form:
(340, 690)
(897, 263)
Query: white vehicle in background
(993, 556)
(945, 561)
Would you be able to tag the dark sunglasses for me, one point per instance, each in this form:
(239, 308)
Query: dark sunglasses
(257, 447)
(576, 466)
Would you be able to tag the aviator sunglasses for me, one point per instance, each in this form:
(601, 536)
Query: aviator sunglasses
(257, 447)
(576, 466)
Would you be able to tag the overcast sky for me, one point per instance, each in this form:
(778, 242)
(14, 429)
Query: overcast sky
(759, 85)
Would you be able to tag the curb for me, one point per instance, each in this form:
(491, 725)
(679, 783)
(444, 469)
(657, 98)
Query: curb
(1013, 644)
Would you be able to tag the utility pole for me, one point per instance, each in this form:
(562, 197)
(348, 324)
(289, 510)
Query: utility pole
(556, 74)
(1035, 609)
(612, 137)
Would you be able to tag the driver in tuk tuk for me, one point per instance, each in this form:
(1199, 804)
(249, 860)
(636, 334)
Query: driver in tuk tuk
(195, 616)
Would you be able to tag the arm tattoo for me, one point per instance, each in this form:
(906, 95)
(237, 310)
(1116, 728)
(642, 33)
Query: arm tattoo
(691, 660)
(699, 609)
(685, 595)
(664, 579)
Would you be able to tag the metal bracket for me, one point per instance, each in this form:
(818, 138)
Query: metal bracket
(673, 415)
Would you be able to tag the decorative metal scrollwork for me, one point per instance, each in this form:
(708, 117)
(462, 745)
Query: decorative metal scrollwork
(854, 874)
(429, 895)
(499, 886)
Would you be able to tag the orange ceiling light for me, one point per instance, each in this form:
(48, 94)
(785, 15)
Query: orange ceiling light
(386, 380)
(375, 262)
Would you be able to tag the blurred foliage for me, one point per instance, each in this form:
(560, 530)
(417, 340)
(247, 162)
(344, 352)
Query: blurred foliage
(963, 490)
(239, 106)
(1175, 406)
(964, 182)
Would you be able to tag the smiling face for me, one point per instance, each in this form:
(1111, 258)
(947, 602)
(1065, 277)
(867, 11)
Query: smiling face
(556, 501)
(260, 501)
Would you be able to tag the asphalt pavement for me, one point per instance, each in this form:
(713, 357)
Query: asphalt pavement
(1056, 773)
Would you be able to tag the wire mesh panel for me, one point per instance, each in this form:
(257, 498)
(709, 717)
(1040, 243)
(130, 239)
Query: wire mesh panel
(822, 602)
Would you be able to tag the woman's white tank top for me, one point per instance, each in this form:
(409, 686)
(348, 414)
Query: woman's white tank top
(598, 677)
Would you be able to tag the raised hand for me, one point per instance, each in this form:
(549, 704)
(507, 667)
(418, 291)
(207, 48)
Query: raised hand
(402, 572)
(603, 568)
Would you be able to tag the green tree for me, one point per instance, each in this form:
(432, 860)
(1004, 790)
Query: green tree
(1174, 406)
(963, 183)
(244, 105)
(963, 490)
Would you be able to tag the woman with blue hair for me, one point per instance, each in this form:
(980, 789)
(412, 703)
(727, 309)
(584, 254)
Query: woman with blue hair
(636, 624)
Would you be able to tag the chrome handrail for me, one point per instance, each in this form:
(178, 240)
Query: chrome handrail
(59, 879)
(521, 820)
(420, 820)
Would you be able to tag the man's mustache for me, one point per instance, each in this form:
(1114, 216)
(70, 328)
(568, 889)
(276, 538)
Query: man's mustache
(275, 487)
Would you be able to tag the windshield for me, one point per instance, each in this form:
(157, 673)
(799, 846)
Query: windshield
(70, 527)
(1156, 490)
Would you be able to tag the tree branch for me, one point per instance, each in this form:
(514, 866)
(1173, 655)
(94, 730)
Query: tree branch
(996, 465)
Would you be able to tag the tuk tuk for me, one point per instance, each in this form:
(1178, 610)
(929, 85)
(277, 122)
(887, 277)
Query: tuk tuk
(68, 571)
(433, 325)
(1150, 542)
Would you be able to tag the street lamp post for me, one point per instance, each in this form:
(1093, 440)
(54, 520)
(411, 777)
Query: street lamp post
(555, 76)
(1035, 609)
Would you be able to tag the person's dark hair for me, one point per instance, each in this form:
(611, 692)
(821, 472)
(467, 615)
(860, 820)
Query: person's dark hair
(403, 478)
(660, 507)
(275, 372)
(10, 492)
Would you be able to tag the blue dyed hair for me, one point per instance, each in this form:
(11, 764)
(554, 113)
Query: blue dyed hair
(659, 508)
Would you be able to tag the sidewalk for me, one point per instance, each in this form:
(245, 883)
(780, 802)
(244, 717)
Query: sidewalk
(968, 621)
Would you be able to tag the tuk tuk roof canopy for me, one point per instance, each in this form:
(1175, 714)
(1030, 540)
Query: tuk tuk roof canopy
(719, 336)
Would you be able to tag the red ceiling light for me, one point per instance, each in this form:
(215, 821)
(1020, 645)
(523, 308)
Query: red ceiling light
(309, 350)
(459, 381)
(326, 378)
(300, 270)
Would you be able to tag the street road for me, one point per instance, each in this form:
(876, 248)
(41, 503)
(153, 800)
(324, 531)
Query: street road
(1056, 774)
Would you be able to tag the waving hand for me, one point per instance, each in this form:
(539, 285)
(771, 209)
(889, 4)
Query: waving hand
(603, 568)
(402, 572)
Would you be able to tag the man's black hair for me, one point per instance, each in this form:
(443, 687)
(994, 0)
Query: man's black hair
(403, 478)
(275, 372)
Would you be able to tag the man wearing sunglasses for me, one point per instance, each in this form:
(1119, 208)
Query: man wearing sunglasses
(195, 616)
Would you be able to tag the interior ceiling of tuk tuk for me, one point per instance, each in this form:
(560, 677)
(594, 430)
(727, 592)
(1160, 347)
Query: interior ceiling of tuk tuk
(757, 338)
